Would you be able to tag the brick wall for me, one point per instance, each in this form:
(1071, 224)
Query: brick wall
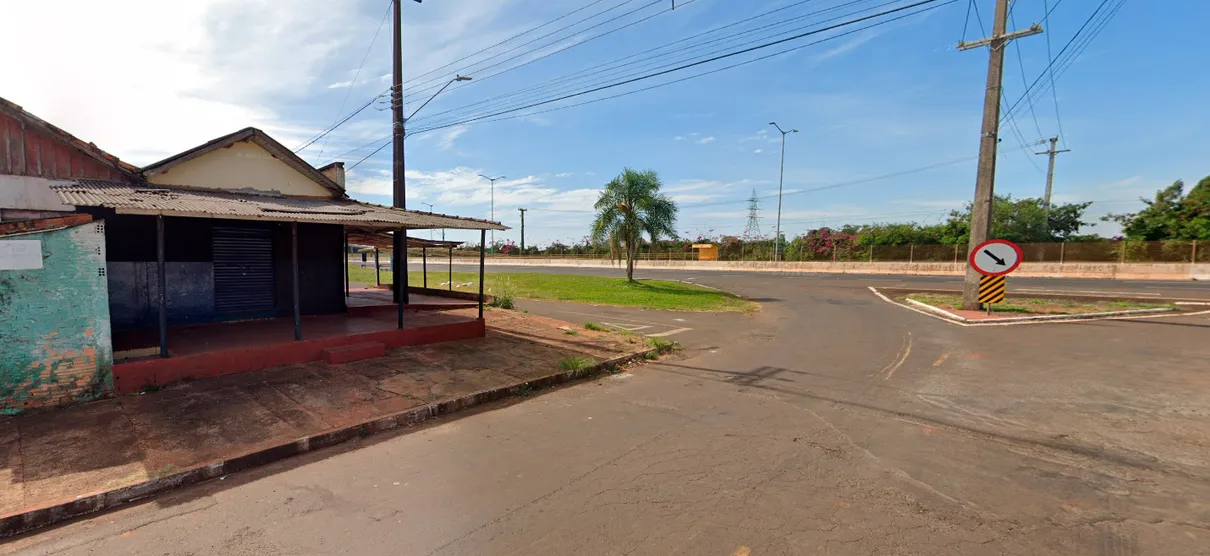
(55, 345)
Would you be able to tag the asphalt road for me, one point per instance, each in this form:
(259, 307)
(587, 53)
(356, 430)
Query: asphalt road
(830, 422)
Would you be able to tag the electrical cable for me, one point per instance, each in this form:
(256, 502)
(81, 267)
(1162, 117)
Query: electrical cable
(526, 32)
(1054, 95)
(920, 3)
(647, 61)
(356, 75)
(467, 69)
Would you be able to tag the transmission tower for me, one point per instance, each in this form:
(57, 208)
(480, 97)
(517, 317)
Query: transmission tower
(753, 228)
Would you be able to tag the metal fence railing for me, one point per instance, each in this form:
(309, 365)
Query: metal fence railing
(1074, 252)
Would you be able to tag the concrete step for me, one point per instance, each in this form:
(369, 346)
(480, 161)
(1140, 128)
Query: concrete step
(353, 352)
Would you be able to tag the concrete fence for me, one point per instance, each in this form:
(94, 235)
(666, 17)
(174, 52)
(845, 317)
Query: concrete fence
(1110, 271)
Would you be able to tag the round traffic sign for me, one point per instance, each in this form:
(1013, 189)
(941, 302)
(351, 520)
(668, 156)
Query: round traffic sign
(996, 257)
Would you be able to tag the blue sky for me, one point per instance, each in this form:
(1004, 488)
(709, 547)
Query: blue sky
(892, 98)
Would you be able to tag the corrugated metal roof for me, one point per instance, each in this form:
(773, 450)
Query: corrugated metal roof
(196, 203)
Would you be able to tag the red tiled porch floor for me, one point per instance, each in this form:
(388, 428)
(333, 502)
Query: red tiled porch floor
(212, 350)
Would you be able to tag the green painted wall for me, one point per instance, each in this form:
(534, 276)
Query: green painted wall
(55, 345)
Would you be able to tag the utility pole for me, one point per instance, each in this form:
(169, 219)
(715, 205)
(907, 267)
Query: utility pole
(780, 181)
(493, 204)
(985, 181)
(398, 188)
(522, 229)
(1050, 176)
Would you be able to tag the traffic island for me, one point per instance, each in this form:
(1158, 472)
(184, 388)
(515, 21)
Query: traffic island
(1035, 308)
(92, 457)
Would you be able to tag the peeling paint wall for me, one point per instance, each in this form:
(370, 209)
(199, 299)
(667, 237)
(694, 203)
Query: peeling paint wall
(55, 345)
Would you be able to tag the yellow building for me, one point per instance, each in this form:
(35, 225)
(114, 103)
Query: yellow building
(706, 251)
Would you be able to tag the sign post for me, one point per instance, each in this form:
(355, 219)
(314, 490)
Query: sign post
(994, 259)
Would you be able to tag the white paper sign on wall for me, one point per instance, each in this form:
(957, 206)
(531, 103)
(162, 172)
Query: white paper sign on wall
(20, 254)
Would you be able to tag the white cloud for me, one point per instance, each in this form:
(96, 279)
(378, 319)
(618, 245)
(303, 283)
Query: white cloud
(446, 141)
(564, 174)
(679, 138)
(216, 66)
(758, 151)
(849, 45)
(705, 140)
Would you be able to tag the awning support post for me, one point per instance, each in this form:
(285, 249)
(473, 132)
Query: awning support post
(403, 267)
(377, 273)
(162, 275)
(294, 274)
(451, 268)
(424, 266)
(399, 279)
(482, 249)
(345, 258)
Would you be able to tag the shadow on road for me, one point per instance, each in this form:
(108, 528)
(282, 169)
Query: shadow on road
(758, 377)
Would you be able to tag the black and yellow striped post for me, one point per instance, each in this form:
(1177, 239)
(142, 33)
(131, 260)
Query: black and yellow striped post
(991, 290)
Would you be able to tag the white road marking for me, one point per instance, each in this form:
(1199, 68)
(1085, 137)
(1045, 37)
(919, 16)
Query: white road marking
(630, 328)
(669, 333)
(1098, 292)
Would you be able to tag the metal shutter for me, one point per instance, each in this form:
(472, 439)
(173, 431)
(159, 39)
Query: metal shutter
(243, 270)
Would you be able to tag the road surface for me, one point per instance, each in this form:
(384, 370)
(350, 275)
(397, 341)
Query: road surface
(830, 422)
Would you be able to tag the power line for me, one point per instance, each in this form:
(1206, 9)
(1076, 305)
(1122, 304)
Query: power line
(979, 17)
(1024, 81)
(333, 127)
(467, 68)
(614, 71)
(376, 151)
(526, 32)
(708, 60)
(579, 43)
(1054, 95)
(1060, 63)
(356, 75)
(705, 73)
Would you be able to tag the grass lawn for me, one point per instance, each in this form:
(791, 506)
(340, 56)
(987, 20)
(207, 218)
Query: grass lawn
(651, 294)
(1038, 305)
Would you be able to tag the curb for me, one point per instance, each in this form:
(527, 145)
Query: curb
(1040, 318)
(38, 517)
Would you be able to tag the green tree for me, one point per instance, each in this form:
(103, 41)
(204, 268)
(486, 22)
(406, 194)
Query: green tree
(630, 206)
(1171, 215)
(1021, 221)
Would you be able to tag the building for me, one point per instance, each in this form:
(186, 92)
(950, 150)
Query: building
(239, 230)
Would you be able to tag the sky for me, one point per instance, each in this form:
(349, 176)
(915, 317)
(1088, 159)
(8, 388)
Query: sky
(145, 79)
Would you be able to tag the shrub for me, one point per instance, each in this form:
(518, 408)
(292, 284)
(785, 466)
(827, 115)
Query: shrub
(502, 301)
(594, 326)
(576, 363)
(662, 346)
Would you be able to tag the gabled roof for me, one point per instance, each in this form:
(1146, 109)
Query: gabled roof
(13, 109)
(278, 150)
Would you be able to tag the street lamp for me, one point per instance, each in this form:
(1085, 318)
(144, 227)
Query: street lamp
(780, 181)
(426, 103)
(493, 202)
(430, 205)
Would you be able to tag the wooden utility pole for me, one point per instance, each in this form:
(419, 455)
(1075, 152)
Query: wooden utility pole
(1050, 176)
(985, 181)
(398, 192)
(522, 229)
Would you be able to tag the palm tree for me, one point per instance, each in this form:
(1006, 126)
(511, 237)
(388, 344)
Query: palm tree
(630, 205)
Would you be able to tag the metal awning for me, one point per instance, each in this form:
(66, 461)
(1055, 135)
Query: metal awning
(384, 240)
(143, 199)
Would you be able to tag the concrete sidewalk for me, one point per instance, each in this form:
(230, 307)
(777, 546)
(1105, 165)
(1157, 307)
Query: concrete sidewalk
(57, 464)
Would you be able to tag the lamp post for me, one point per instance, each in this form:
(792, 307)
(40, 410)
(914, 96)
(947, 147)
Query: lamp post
(780, 181)
(493, 203)
(430, 212)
